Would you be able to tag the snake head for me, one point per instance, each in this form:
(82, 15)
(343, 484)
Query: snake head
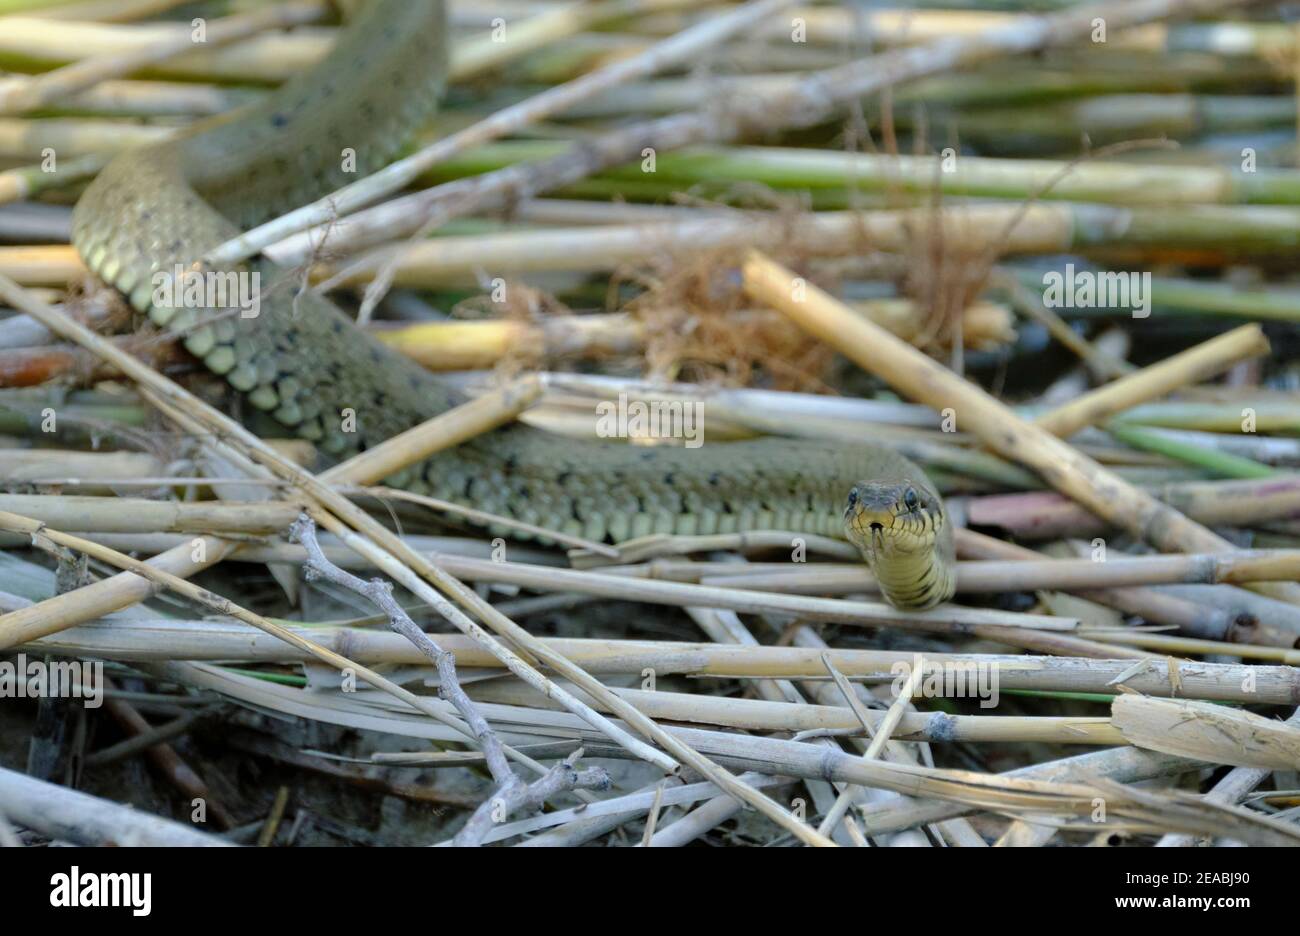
(892, 516)
(899, 527)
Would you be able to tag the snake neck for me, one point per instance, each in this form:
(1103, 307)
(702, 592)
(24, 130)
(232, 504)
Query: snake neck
(912, 580)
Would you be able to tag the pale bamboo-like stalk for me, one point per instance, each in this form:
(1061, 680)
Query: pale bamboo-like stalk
(1184, 646)
(1046, 515)
(24, 94)
(73, 816)
(883, 730)
(1234, 786)
(77, 514)
(1188, 367)
(468, 345)
(73, 138)
(138, 98)
(1151, 604)
(291, 554)
(272, 58)
(957, 830)
(633, 586)
(195, 640)
(30, 181)
(1203, 731)
(458, 259)
(49, 265)
(91, 468)
(455, 259)
(483, 518)
(1235, 568)
(460, 345)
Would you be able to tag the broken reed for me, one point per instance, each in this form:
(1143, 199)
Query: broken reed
(1156, 676)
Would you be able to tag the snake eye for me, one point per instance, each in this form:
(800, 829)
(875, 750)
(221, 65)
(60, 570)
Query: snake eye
(910, 500)
(853, 497)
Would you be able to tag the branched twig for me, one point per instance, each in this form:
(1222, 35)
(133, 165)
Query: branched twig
(512, 794)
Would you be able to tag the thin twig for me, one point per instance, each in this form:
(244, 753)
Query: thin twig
(512, 794)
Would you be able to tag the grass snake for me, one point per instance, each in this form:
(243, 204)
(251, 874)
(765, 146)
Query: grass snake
(302, 360)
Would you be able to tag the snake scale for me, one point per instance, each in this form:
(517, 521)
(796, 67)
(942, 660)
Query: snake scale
(302, 360)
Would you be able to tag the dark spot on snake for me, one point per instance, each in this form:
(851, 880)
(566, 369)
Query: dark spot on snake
(525, 492)
(279, 120)
(715, 479)
(511, 463)
(563, 478)
(469, 484)
(669, 478)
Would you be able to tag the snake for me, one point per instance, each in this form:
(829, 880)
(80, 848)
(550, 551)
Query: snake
(305, 362)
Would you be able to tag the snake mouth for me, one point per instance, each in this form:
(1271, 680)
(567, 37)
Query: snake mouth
(875, 527)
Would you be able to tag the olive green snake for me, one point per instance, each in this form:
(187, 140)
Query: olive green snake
(303, 361)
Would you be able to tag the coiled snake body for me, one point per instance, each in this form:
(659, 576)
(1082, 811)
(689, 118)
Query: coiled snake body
(154, 209)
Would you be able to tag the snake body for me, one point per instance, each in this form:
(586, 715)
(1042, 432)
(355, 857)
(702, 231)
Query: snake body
(304, 362)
